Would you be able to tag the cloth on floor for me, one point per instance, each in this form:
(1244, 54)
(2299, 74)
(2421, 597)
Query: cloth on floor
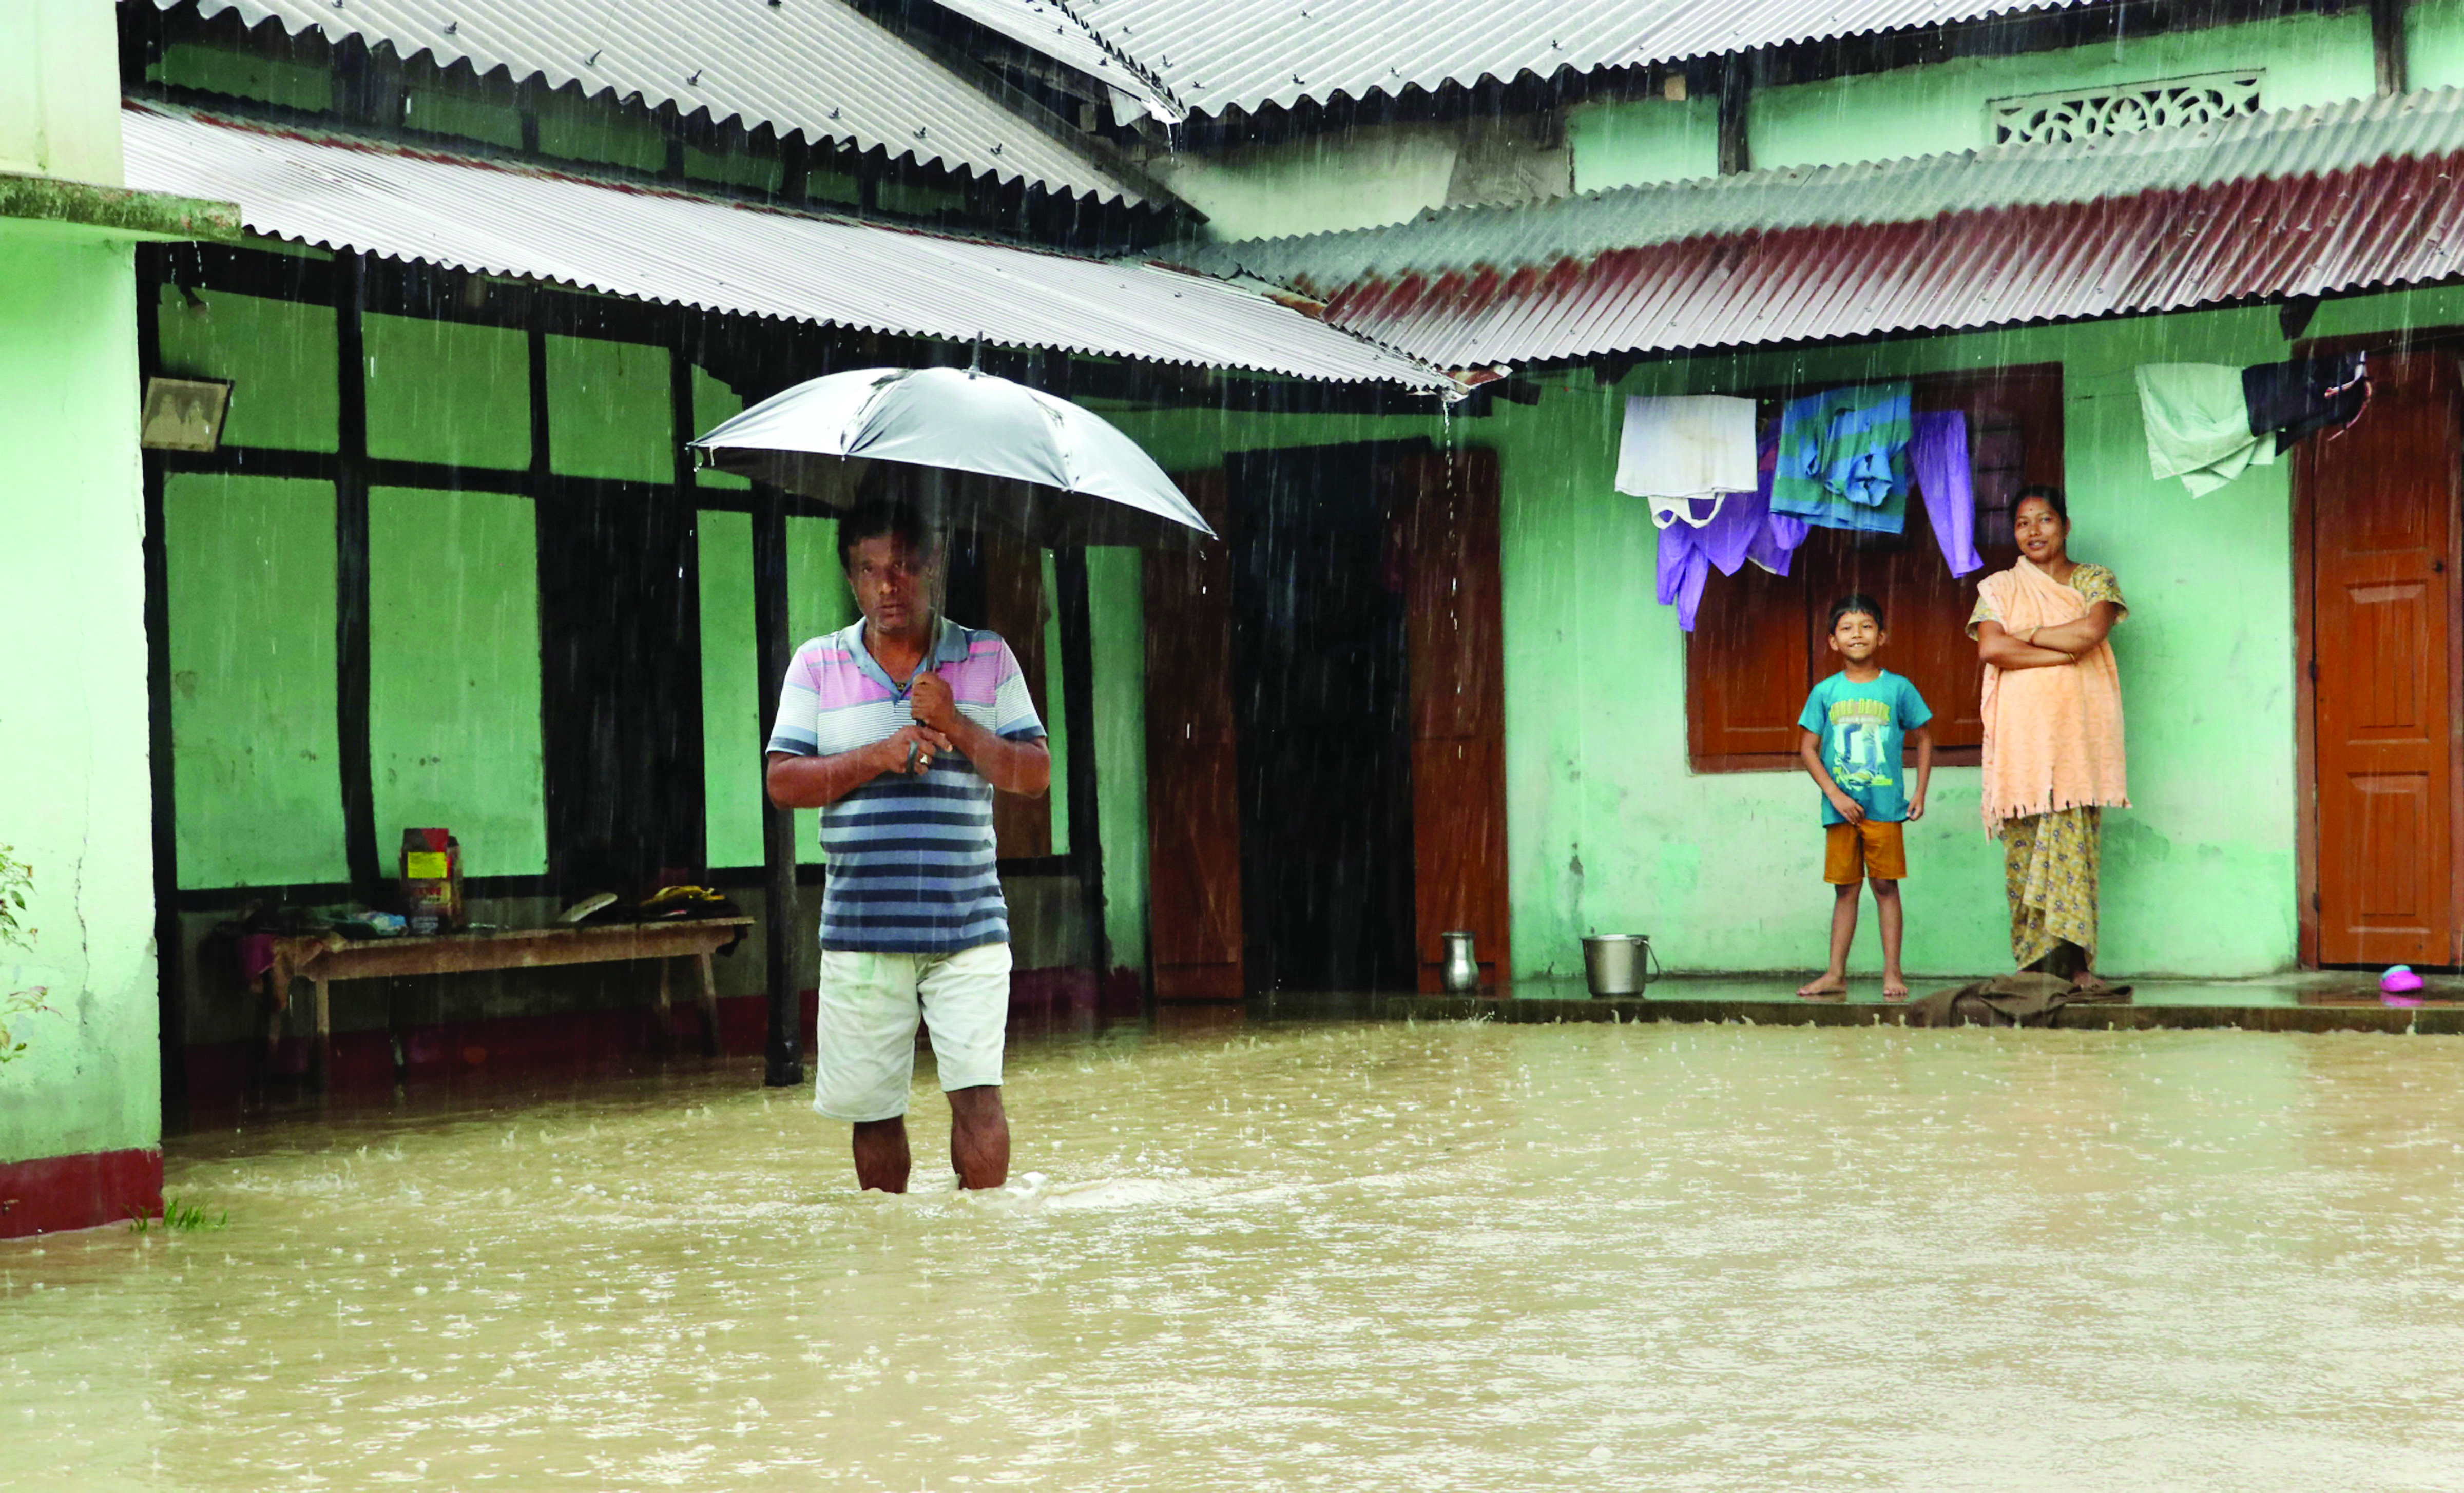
(1843, 459)
(2198, 425)
(2296, 399)
(2022, 999)
(1692, 446)
(1938, 458)
(1744, 529)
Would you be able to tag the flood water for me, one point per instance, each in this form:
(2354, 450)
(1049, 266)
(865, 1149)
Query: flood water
(1378, 1257)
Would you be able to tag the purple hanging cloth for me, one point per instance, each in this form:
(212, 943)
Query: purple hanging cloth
(1744, 529)
(1683, 567)
(1938, 451)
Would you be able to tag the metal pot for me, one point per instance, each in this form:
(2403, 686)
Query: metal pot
(1618, 964)
(1461, 969)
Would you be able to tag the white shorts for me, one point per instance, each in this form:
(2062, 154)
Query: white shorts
(865, 1028)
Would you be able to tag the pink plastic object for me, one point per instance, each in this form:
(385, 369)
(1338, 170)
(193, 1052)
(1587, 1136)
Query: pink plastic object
(2397, 987)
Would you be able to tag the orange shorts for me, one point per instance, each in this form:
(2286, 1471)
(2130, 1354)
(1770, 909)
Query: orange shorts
(1853, 852)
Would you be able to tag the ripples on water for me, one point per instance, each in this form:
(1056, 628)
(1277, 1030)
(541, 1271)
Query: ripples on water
(1475, 1256)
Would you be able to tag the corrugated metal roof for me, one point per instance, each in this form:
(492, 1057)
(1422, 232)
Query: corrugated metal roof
(2395, 222)
(1216, 55)
(678, 247)
(817, 69)
(1048, 28)
(2271, 145)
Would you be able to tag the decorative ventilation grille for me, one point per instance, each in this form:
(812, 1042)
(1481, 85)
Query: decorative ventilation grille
(2125, 109)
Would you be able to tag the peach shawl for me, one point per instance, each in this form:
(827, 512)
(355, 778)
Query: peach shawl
(2053, 736)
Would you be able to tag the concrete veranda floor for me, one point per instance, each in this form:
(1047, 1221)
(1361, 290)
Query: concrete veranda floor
(2305, 1000)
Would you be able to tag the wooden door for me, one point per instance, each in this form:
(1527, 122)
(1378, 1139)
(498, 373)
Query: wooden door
(1447, 505)
(1193, 768)
(2383, 502)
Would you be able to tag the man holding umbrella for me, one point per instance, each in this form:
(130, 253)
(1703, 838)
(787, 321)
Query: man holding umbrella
(899, 728)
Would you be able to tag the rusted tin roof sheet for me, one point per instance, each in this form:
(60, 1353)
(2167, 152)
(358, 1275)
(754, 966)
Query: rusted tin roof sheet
(2302, 202)
(2279, 144)
(1218, 55)
(815, 69)
(679, 248)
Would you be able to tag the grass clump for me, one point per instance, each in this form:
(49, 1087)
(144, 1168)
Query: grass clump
(178, 1218)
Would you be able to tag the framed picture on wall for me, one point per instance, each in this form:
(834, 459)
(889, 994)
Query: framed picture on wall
(184, 414)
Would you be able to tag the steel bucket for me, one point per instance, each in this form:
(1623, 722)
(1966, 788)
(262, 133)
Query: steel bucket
(1618, 964)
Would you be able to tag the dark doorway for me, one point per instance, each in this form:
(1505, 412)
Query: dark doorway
(621, 686)
(1319, 693)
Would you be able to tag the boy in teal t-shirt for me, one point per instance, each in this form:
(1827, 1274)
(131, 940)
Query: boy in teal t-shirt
(1850, 736)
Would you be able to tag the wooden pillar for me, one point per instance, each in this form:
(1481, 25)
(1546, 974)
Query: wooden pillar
(1078, 711)
(361, 851)
(1736, 94)
(2388, 46)
(172, 1035)
(784, 1062)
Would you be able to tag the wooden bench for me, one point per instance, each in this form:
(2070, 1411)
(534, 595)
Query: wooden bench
(322, 958)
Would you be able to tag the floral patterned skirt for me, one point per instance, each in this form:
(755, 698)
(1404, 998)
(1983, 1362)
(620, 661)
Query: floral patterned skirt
(2049, 864)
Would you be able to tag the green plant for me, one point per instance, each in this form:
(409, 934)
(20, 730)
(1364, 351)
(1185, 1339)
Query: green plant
(13, 1005)
(178, 1218)
(16, 879)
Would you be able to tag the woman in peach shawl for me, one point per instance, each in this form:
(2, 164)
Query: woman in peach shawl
(2052, 733)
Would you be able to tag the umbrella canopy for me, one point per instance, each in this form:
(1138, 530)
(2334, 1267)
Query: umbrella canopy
(1045, 457)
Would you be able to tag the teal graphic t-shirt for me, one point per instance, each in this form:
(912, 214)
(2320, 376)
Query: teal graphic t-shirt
(1862, 727)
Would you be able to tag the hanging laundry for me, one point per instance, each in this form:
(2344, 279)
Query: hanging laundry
(1744, 529)
(1696, 446)
(1682, 568)
(1938, 456)
(2298, 399)
(2198, 425)
(1843, 459)
(2209, 423)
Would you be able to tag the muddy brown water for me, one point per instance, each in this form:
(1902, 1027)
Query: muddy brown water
(1371, 1257)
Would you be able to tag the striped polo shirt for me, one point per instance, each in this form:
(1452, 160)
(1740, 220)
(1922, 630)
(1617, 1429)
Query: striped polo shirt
(911, 857)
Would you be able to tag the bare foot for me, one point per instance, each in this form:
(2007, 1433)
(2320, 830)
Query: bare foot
(1824, 987)
(2089, 980)
(1895, 987)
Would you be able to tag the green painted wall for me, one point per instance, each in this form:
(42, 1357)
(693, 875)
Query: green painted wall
(1626, 142)
(1608, 828)
(453, 674)
(255, 753)
(1056, 719)
(278, 355)
(59, 90)
(73, 736)
(1926, 110)
(1373, 175)
(761, 172)
(245, 74)
(444, 391)
(2435, 43)
(1116, 599)
(594, 129)
(713, 402)
(450, 111)
(611, 411)
(736, 702)
(1941, 107)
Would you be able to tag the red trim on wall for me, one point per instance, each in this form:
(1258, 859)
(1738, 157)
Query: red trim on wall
(53, 1193)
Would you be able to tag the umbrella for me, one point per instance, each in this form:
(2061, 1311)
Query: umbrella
(1037, 459)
